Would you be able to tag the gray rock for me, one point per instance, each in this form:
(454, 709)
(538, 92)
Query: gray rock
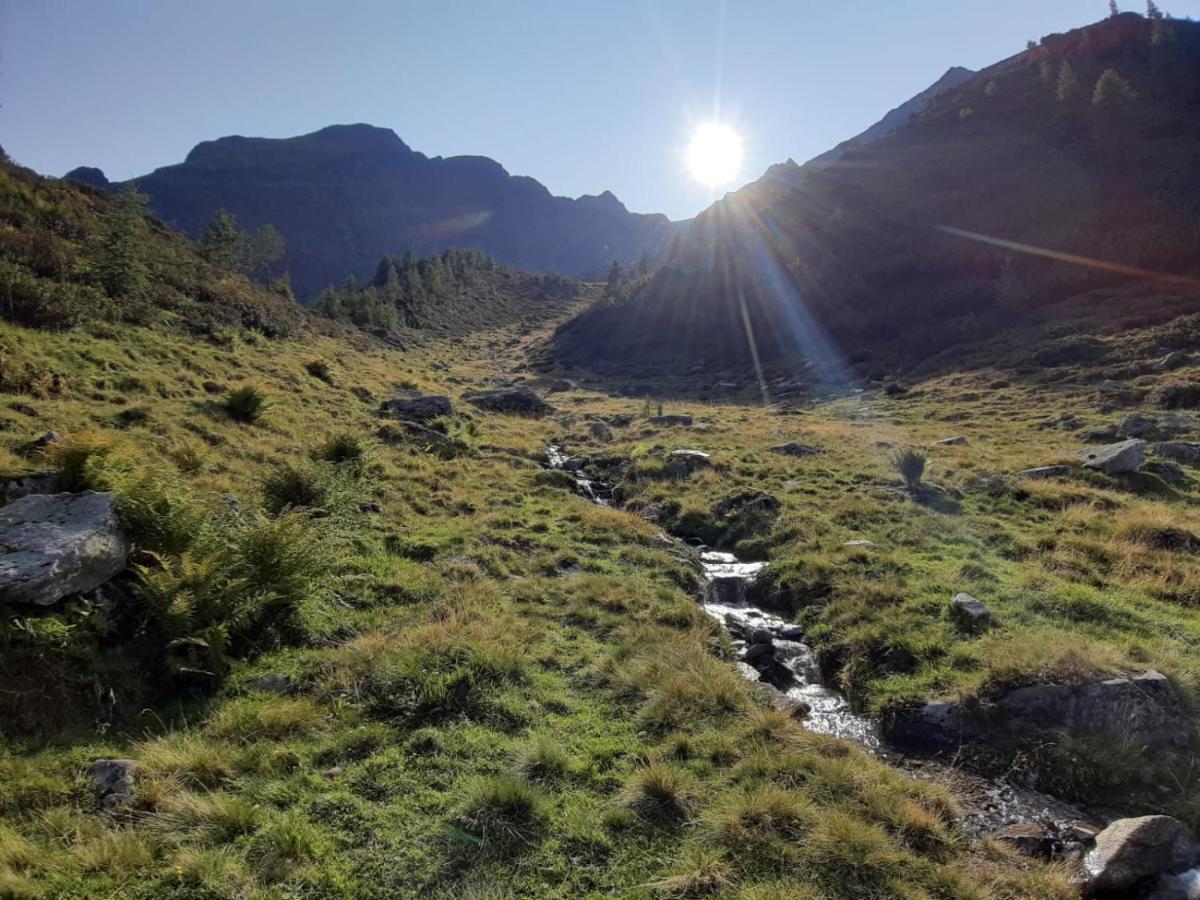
(754, 651)
(17, 486)
(760, 636)
(1184, 886)
(519, 401)
(956, 441)
(418, 409)
(969, 614)
(1172, 360)
(114, 781)
(52, 545)
(559, 385)
(1130, 852)
(41, 444)
(1182, 451)
(1029, 839)
(1138, 425)
(795, 448)
(1167, 471)
(671, 420)
(682, 463)
(1046, 472)
(599, 431)
(1115, 459)
(859, 542)
(272, 683)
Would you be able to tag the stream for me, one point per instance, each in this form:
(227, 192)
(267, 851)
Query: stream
(771, 650)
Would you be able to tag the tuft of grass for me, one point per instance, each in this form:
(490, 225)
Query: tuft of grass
(117, 853)
(699, 872)
(215, 818)
(910, 464)
(285, 843)
(661, 792)
(320, 370)
(246, 404)
(544, 760)
(346, 448)
(257, 718)
(504, 809)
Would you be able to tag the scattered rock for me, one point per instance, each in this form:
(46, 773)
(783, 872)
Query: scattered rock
(760, 636)
(272, 683)
(795, 448)
(52, 545)
(213, 387)
(1029, 839)
(23, 485)
(1128, 853)
(957, 441)
(1172, 360)
(406, 432)
(114, 781)
(417, 409)
(1046, 472)
(370, 506)
(41, 444)
(969, 614)
(682, 463)
(599, 431)
(519, 401)
(1183, 451)
(559, 385)
(1115, 459)
(747, 502)
(1138, 425)
(859, 542)
(333, 772)
(754, 651)
(671, 420)
(1167, 471)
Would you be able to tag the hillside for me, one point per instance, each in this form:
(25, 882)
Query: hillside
(346, 195)
(856, 251)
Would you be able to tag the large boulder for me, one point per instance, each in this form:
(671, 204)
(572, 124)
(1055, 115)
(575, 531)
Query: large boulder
(52, 545)
(417, 409)
(1115, 459)
(969, 614)
(114, 781)
(682, 463)
(1138, 425)
(1183, 451)
(519, 401)
(1129, 853)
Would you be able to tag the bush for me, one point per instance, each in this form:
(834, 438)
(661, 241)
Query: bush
(346, 448)
(297, 486)
(245, 404)
(319, 369)
(910, 464)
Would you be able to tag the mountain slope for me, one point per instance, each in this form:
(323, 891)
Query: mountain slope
(854, 252)
(346, 195)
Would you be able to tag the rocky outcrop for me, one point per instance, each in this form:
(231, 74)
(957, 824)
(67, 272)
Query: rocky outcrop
(957, 441)
(682, 463)
(1182, 451)
(1142, 709)
(52, 545)
(418, 409)
(1114, 459)
(599, 431)
(114, 781)
(1139, 425)
(1046, 472)
(519, 401)
(1128, 854)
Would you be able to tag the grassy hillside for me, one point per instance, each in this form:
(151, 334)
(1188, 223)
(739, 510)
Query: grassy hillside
(496, 688)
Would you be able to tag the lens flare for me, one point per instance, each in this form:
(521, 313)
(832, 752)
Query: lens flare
(714, 155)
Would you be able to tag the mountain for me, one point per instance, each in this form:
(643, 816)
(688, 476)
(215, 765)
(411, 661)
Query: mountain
(918, 232)
(346, 195)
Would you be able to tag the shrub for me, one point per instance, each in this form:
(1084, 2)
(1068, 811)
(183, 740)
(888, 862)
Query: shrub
(506, 809)
(910, 464)
(245, 404)
(292, 486)
(347, 449)
(1112, 89)
(320, 370)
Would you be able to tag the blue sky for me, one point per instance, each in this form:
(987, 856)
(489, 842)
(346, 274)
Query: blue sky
(583, 96)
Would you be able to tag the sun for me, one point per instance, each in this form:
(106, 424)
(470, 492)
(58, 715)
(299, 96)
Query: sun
(714, 155)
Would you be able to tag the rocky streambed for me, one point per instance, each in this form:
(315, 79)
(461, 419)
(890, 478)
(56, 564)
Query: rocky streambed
(1150, 856)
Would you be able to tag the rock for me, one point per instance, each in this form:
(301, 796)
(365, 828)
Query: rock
(574, 463)
(795, 448)
(1029, 839)
(1184, 886)
(114, 781)
(52, 545)
(859, 542)
(682, 463)
(213, 387)
(797, 709)
(747, 502)
(760, 636)
(559, 385)
(1115, 459)
(1167, 471)
(519, 401)
(1172, 360)
(671, 420)
(599, 431)
(370, 506)
(792, 632)
(957, 441)
(754, 651)
(1046, 472)
(405, 432)
(1182, 451)
(333, 772)
(418, 409)
(727, 590)
(1137, 425)
(41, 444)
(16, 486)
(969, 614)
(1128, 853)
(621, 420)
(272, 683)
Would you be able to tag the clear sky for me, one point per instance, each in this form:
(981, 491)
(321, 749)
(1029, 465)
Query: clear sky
(584, 96)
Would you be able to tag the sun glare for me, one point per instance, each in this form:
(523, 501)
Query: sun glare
(714, 155)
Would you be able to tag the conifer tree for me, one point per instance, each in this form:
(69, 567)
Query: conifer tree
(1068, 83)
(119, 268)
(222, 244)
(1112, 90)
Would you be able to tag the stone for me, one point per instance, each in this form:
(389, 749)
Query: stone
(791, 632)
(519, 401)
(957, 441)
(1029, 839)
(754, 651)
(114, 781)
(418, 409)
(795, 448)
(670, 420)
(1167, 471)
(370, 506)
(1138, 425)
(599, 431)
(727, 590)
(52, 545)
(1130, 852)
(859, 542)
(41, 444)
(405, 432)
(760, 636)
(1181, 451)
(1046, 472)
(682, 463)
(1115, 459)
(747, 502)
(15, 486)
(1172, 360)
(272, 683)
(559, 385)
(969, 614)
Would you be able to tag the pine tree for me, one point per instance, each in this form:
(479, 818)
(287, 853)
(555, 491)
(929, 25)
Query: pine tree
(1152, 10)
(119, 267)
(1068, 83)
(265, 248)
(1113, 9)
(992, 88)
(1112, 90)
(222, 244)
(613, 288)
